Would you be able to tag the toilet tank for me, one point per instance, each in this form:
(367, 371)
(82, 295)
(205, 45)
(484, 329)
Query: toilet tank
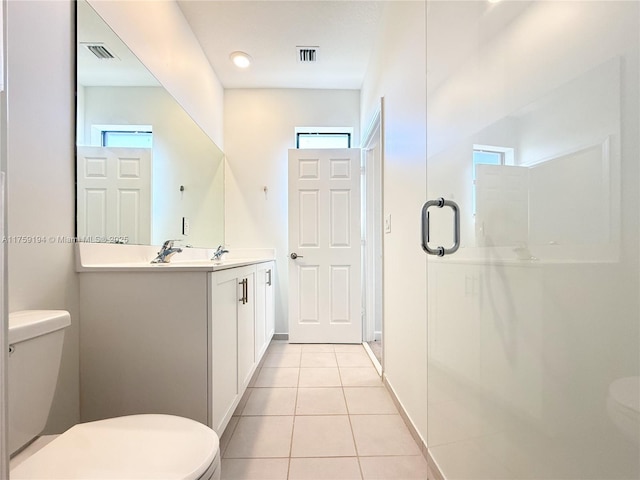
(35, 350)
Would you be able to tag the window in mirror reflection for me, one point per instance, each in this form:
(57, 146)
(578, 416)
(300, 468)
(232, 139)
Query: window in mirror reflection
(489, 155)
(111, 138)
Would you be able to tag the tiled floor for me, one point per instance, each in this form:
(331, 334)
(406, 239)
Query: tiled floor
(318, 412)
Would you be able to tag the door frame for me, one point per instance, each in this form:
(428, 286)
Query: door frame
(372, 219)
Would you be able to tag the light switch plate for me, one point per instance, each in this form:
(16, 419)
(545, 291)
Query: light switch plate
(387, 223)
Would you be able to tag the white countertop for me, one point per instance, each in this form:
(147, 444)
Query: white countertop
(104, 257)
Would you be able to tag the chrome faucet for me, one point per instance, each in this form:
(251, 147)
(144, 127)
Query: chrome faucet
(217, 256)
(166, 252)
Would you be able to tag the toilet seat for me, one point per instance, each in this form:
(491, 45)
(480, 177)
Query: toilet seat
(131, 447)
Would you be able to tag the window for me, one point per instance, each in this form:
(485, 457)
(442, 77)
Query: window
(127, 139)
(323, 137)
(489, 155)
(133, 136)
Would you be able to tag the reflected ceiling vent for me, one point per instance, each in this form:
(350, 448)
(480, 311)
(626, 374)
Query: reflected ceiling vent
(100, 50)
(307, 54)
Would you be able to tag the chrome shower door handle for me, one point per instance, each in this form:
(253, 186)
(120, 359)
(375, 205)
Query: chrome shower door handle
(440, 251)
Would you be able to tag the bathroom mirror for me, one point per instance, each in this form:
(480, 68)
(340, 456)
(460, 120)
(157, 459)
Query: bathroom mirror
(146, 172)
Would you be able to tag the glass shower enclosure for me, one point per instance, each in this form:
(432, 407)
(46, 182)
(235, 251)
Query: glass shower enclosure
(533, 322)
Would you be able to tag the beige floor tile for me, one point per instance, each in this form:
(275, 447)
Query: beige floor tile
(318, 347)
(255, 468)
(369, 400)
(320, 401)
(318, 359)
(319, 377)
(271, 401)
(393, 468)
(243, 401)
(282, 360)
(343, 468)
(377, 435)
(255, 375)
(349, 348)
(277, 377)
(261, 437)
(226, 436)
(322, 436)
(360, 377)
(351, 359)
(283, 346)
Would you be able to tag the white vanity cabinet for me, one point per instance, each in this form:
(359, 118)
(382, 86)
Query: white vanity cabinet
(174, 340)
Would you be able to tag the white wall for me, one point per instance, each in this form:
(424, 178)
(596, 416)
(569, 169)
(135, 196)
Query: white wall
(259, 129)
(159, 35)
(40, 174)
(397, 72)
(182, 155)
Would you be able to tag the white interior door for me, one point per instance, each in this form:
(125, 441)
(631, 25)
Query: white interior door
(114, 194)
(324, 244)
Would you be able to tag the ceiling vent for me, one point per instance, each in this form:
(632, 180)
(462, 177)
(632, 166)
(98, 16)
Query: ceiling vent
(100, 50)
(307, 54)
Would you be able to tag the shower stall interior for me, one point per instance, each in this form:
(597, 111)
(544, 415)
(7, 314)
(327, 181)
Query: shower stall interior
(533, 323)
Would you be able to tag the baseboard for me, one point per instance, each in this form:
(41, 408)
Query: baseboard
(377, 336)
(434, 472)
(372, 357)
(280, 336)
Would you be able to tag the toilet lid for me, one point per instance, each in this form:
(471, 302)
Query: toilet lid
(132, 447)
(626, 392)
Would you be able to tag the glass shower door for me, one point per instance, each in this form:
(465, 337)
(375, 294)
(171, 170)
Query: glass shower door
(534, 322)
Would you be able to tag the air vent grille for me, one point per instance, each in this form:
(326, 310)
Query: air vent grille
(99, 50)
(307, 54)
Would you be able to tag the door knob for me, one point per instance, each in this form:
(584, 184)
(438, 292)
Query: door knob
(294, 255)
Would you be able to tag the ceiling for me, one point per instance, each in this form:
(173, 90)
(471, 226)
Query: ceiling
(123, 70)
(269, 31)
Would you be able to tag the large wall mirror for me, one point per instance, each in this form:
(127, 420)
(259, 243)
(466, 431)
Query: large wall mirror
(146, 172)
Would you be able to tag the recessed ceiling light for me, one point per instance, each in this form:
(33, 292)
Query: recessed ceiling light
(240, 59)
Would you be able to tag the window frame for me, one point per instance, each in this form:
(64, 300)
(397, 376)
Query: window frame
(328, 131)
(98, 132)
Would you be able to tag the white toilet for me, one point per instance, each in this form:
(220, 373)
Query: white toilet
(130, 447)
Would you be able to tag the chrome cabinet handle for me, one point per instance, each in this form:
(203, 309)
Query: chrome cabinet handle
(245, 291)
(440, 251)
(294, 255)
(269, 276)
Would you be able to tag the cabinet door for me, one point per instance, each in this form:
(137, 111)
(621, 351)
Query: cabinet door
(269, 300)
(246, 316)
(261, 324)
(224, 347)
(265, 314)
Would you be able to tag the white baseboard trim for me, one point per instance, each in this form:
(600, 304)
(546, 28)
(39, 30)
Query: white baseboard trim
(377, 336)
(373, 358)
